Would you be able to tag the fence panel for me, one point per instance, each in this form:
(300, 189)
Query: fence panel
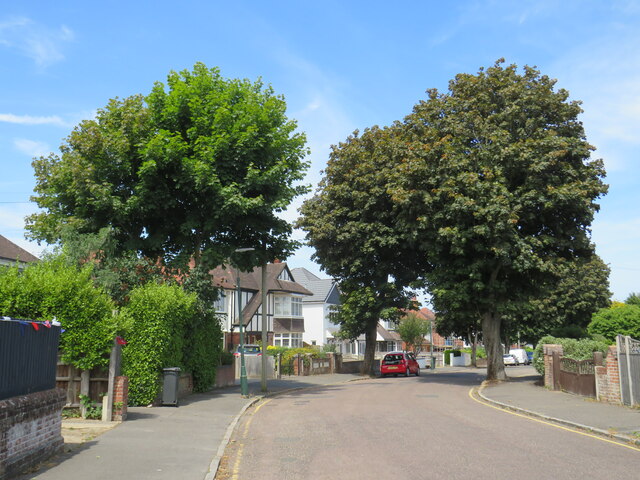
(28, 352)
(629, 364)
(578, 376)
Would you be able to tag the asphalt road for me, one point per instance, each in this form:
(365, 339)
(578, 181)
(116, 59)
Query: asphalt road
(416, 427)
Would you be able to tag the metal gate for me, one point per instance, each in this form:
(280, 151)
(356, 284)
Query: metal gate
(578, 376)
(629, 364)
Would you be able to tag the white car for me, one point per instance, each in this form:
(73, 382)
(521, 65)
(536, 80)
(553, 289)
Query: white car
(509, 359)
(520, 354)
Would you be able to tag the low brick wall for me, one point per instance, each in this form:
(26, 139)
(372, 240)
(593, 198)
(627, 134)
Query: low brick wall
(30, 430)
(225, 376)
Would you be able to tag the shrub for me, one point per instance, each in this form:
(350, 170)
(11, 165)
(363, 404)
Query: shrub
(52, 288)
(480, 352)
(156, 318)
(619, 320)
(577, 349)
(203, 344)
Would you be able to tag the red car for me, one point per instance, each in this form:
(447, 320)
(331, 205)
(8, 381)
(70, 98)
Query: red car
(394, 363)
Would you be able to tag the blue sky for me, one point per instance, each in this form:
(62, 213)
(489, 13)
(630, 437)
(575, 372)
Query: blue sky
(340, 65)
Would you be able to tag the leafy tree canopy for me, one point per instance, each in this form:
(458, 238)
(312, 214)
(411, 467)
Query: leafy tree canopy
(633, 299)
(498, 187)
(566, 302)
(412, 329)
(197, 168)
(617, 320)
(351, 223)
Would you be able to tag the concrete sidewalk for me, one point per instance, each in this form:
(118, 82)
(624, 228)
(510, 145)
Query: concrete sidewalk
(169, 443)
(525, 394)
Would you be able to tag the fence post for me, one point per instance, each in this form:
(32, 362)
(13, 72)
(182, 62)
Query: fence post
(627, 347)
(114, 371)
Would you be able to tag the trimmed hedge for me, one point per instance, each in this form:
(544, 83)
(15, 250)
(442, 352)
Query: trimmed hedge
(156, 318)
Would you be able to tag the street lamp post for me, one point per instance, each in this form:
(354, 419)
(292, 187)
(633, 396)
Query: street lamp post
(263, 287)
(244, 387)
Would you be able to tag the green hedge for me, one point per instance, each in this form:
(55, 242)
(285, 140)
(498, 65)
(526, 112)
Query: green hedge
(52, 288)
(156, 319)
(577, 349)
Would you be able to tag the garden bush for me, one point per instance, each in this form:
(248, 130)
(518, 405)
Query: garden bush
(577, 349)
(155, 320)
(622, 319)
(53, 289)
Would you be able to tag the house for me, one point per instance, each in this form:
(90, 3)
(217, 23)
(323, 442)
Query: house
(317, 307)
(320, 330)
(10, 253)
(285, 320)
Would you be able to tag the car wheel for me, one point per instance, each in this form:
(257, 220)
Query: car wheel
(418, 372)
(407, 372)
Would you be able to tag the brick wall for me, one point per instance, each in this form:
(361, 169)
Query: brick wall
(608, 379)
(120, 399)
(30, 430)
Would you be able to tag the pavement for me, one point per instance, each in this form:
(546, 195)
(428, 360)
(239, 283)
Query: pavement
(187, 442)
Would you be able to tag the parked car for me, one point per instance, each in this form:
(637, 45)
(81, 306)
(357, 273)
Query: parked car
(248, 350)
(509, 359)
(530, 357)
(521, 355)
(394, 363)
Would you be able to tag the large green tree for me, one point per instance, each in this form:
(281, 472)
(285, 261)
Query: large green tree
(199, 167)
(499, 186)
(350, 222)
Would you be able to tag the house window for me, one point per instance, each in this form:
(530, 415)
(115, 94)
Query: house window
(220, 305)
(284, 275)
(292, 340)
(288, 306)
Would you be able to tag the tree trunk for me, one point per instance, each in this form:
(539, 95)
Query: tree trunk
(491, 333)
(370, 349)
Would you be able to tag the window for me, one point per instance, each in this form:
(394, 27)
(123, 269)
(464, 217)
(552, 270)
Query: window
(284, 275)
(220, 305)
(293, 340)
(288, 306)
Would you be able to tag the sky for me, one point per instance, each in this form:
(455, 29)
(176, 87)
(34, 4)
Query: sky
(340, 65)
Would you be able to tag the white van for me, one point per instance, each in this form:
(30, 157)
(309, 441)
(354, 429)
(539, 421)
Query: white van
(521, 355)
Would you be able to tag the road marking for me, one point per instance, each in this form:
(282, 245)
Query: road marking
(245, 432)
(528, 417)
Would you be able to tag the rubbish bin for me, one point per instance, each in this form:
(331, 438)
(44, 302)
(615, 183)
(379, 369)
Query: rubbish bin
(170, 386)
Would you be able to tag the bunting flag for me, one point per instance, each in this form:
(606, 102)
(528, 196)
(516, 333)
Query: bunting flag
(47, 324)
(121, 341)
(35, 326)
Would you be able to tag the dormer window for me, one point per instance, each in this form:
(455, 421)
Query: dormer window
(284, 275)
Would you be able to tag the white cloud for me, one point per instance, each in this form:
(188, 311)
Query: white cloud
(31, 120)
(40, 43)
(32, 148)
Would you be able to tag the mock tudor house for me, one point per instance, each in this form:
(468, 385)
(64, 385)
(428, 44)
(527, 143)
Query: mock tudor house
(10, 253)
(285, 320)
